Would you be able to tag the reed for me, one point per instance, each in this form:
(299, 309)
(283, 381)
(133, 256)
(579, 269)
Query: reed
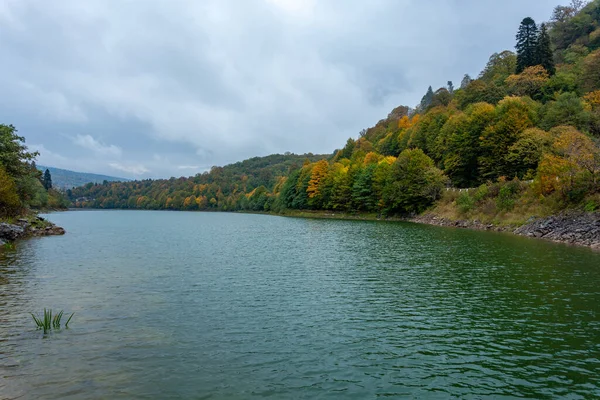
(49, 322)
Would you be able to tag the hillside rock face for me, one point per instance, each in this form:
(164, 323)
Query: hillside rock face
(581, 229)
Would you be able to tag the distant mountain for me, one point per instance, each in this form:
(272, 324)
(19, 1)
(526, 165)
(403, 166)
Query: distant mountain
(65, 179)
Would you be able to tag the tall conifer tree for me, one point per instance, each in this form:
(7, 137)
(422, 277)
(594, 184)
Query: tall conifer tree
(527, 44)
(47, 181)
(545, 57)
(466, 81)
(427, 99)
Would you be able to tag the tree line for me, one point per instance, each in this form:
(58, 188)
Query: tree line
(532, 114)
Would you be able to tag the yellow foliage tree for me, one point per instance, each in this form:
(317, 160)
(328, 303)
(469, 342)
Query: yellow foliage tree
(406, 122)
(573, 163)
(318, 174)
(371, 158)
(9, 199)
(529, 82)
(593, 99)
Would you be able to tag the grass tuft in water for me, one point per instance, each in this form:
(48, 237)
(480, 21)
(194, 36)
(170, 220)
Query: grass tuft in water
(47, 322)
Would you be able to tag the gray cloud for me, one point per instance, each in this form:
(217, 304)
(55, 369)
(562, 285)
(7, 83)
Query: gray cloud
(155, 88)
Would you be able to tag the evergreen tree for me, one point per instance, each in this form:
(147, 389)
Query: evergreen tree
(427, 99)
(466, 81)
(527, 44)
(47, 181)
(450, 87)
(545, 57)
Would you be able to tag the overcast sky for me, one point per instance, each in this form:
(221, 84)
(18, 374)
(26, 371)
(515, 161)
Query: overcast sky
(158, 88)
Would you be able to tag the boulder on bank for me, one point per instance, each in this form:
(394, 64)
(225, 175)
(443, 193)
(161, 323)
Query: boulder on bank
(10, 232)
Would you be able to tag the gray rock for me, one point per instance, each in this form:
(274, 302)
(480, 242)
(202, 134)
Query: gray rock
(10, 232)
(579, 228)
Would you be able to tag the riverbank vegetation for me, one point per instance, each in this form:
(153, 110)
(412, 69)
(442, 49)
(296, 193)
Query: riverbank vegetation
(22, 186)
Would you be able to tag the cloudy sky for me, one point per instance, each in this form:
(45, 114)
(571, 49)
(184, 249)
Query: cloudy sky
(158, 88)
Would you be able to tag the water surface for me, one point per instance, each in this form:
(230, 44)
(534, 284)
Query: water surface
(236, 306)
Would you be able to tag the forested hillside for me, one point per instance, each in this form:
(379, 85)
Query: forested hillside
(244, 185)
(523, 135)
(66, 179)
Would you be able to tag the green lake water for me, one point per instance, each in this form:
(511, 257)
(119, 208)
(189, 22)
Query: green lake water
(234, 306)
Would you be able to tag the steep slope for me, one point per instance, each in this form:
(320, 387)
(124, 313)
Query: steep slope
(526, 143)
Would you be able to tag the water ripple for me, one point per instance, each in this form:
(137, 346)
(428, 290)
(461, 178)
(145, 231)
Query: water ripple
(226, 306)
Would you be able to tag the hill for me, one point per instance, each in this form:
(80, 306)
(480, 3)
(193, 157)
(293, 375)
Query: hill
(243, 184)
(66, 179)
(520, 140)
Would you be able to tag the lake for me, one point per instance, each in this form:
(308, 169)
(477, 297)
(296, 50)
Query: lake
(235, 306)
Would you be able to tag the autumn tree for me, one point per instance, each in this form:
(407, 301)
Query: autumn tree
(593, 104)
(572, 168)
(317, 177)
(529, 82)
(591, 72)
(9, 199)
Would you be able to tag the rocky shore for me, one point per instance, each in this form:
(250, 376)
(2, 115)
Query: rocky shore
(577, 228)
(30, 226)
(581, 229)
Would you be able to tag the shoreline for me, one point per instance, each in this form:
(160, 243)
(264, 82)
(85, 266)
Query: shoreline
(25, 227)
(574, 228)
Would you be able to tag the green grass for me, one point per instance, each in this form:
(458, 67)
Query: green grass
(48, 322)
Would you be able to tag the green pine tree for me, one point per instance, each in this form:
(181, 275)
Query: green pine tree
(545, 57)
(466, 81)
(427, 99)
(527, 44)
(47, 180)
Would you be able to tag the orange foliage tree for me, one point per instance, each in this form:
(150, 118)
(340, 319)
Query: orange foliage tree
(572, 168)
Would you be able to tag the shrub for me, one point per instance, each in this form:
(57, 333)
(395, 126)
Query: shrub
(465, 202)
